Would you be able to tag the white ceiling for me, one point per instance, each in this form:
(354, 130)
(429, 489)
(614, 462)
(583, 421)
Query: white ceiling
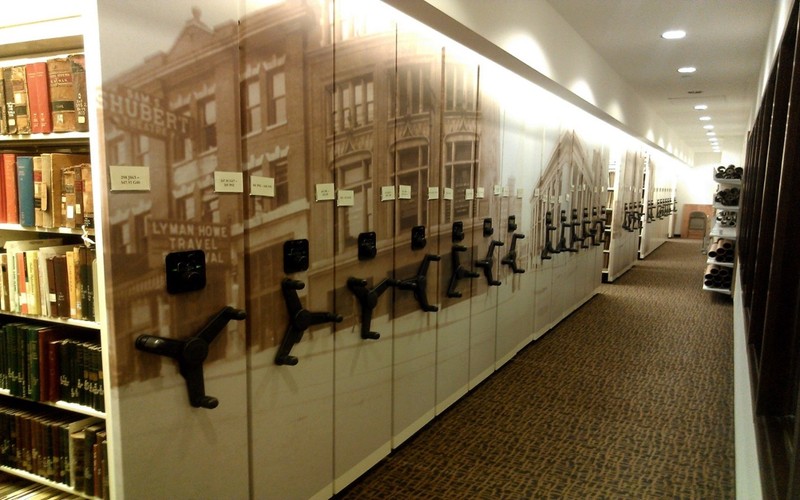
(726, 41)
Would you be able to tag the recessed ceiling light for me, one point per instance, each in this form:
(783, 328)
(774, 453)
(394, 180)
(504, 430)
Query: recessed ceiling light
(701, 107)
(673, 34)
(708, 127)
(705, 118)
(687, 69)
(711, 133)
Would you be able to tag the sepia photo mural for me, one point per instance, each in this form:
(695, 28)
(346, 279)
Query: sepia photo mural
(396, 216)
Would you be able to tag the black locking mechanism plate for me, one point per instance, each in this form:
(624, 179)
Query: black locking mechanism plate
(186, 271)
(488, 230)
(512, 223)
(295, 256)
(367, 246)
(418, 240)
(458, 231)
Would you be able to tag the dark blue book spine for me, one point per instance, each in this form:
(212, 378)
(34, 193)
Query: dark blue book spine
(25, 197)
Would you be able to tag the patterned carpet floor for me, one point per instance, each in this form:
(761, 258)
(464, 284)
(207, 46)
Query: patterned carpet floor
(631, 396)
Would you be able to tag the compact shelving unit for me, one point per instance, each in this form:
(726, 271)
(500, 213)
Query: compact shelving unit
(720, 262)
(609, 215)
(623, 214)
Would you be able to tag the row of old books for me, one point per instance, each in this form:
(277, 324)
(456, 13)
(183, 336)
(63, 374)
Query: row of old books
(62, 447)
(44, 96)
(13, 487)
(51, 363)
(51, 190)
(44, 277)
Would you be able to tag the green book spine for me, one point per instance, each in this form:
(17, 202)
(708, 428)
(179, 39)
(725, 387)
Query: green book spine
(64, 372)
(33, 382)
(3, 358)
(13, 360)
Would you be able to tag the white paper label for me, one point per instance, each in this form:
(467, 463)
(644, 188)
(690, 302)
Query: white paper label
(387, 193)
(262, 186)
(520, 193)
(345, 198)
(404, 192)
(129, 178)
(469, 194)
(567, 197)
(433, 193)
(325, 191)
(479, 193)
(228, 182)
(498, 190)
(506, 191)
(536, 193)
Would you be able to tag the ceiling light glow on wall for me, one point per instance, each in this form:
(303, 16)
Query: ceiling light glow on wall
(701, 107)
(705, 118)
(708, 127)
(687, 70)
(673, 35)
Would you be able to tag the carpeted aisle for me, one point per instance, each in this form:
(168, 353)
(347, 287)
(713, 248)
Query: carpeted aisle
(629, 397)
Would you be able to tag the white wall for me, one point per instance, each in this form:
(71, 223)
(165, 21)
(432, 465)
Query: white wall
(532, 39)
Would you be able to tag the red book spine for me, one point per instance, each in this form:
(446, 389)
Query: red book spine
(10, 184)
(39, 97)
(3, 215)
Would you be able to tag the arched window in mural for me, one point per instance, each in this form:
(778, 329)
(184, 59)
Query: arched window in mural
(578, 193)
(549, 189)
(353, 104)
(353, 174)
(181, 143)
(412, 89)
(411, 160)
(250, 93)
(207, 118)
(460, 166)
(460, 87)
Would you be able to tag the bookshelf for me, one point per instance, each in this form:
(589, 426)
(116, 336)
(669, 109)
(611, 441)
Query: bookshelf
(658, 205)
(52, 387)
(720, 264)
(625, 185)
